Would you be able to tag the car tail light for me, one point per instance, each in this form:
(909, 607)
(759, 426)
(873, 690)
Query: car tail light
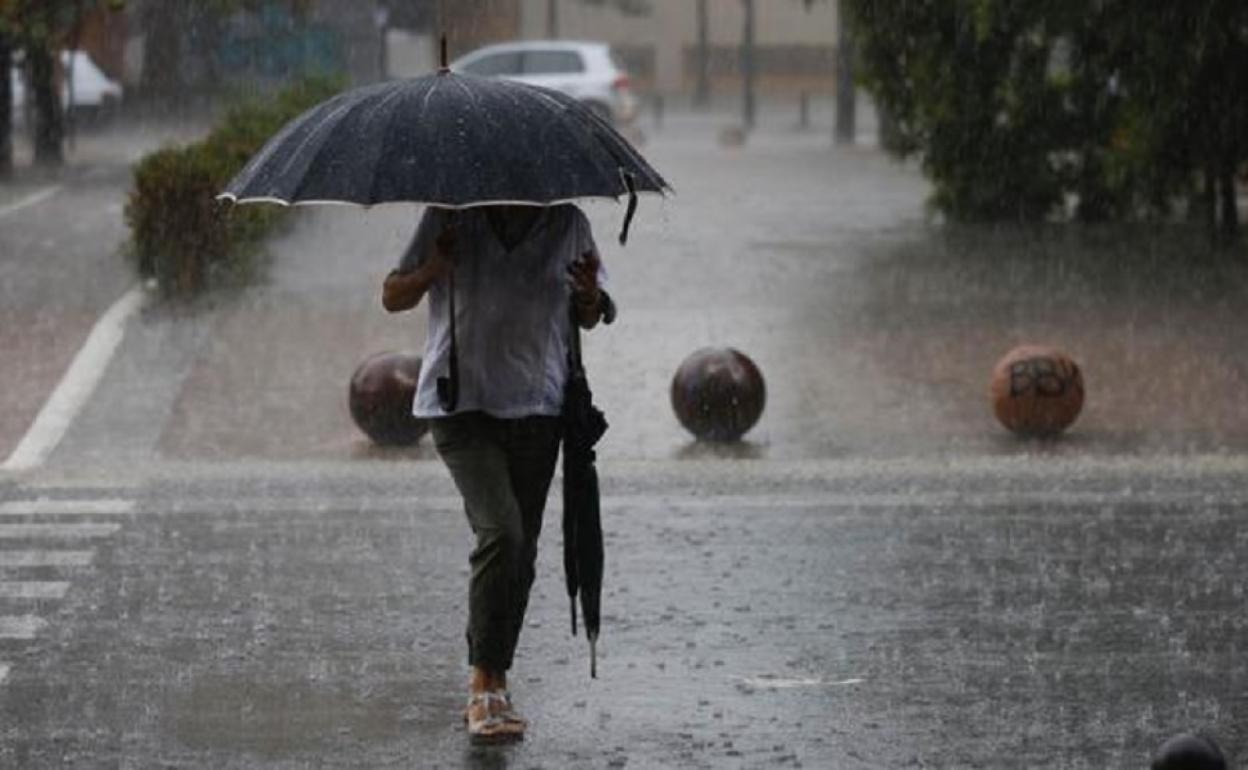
(621, 83)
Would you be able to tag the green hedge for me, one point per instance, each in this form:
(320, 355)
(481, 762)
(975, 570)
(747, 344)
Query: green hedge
(181, 235)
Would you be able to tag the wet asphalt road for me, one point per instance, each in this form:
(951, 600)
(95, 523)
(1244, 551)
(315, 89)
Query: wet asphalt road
(940, 616)
(224, 574)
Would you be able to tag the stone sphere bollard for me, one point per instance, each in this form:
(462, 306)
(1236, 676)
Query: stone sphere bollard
(381, 395)
(1186, 751)
(1037, 390)
(718, 394)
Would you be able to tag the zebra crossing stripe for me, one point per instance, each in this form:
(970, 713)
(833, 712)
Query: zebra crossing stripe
(46, 558)
(21, 627)
(65, 531)
(33, 589)
(49, 507)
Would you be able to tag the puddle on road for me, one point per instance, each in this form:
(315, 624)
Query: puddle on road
(274, 719)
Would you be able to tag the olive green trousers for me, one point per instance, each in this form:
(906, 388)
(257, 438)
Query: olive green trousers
(502, 469)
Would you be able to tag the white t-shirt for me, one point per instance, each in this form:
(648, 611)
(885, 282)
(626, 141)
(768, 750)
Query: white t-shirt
(511, 312)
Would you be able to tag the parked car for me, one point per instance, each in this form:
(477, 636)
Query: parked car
(93, 92)
(587, 71)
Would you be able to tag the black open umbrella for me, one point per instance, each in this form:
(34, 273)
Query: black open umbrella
(583, 425)
(446, 139)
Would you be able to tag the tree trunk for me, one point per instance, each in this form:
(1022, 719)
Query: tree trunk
(702, 84)
(846, 123)
(1206, 208)
(6, 108)
(1229, 219)
(49, 121)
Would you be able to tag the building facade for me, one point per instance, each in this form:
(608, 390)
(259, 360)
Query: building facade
(795, 42)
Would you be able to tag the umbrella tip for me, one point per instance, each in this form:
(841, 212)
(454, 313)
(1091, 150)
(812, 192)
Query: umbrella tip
(446, 67)
(593, 658)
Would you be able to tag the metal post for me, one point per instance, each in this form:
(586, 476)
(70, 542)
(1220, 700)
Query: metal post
(845, 97)
(552, 19)
(702, 85)
(747, 66)
(381, 18)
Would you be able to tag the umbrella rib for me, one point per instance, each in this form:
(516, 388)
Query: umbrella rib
(319, 131)
(377, 167)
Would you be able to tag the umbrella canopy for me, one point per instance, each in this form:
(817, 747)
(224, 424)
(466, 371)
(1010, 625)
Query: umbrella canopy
(583, 425)
(445, 139)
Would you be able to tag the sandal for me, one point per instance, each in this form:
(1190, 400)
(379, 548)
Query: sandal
(488, 721)
(508, 713)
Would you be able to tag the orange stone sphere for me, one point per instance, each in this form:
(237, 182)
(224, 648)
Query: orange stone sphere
(381, 394)
(1037, 390)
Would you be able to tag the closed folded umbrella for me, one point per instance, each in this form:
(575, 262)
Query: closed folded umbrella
(583, 425)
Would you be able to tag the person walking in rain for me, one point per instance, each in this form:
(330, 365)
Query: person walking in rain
(509, 274)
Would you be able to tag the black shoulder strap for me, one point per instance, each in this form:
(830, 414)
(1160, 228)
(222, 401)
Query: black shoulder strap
(448, 387)
(575, 366)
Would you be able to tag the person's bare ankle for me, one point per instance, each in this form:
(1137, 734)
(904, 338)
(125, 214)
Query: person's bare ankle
(480, 681)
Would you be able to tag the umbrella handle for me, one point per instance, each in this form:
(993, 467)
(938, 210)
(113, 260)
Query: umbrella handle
(631, 183)
(573, 598)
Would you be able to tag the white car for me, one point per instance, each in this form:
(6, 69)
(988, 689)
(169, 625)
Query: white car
(583, 70)
(92, 93)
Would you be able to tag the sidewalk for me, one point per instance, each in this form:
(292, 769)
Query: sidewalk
(875, 332)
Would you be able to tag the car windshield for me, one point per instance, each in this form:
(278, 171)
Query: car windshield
(503, 63)
(548, 62)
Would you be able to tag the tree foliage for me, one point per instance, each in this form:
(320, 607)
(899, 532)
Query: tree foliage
(1016, 108)
(179, 32)
(181, 235)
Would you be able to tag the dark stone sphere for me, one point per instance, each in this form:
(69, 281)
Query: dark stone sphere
(381, 395)
(1036, 390)
(718, 394)
(1187, 751)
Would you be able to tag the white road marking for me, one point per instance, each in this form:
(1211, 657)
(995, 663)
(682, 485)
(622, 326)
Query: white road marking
(49, 507)
(38, 196)
(33, 589)
(76, 386)
(46, 558)
(4, 672)
(936, 501)
(786, 683)
(925, 499)
(21, 626)
(55, 531)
